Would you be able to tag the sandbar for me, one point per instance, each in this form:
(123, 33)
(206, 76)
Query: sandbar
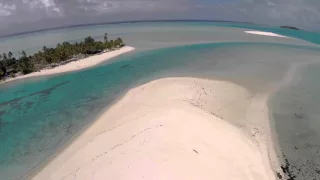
(160, 130)
(262, 33)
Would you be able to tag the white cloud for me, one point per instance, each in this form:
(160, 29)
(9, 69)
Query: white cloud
(49, 6)
(6, 9)
(270, 3)
(112, 6)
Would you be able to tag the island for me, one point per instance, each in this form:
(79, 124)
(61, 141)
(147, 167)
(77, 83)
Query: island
(51, 59)
(289, 27)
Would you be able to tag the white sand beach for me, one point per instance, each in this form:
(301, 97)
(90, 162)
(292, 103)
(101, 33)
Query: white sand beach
(262, 33)
(77, 65)
(165, 130)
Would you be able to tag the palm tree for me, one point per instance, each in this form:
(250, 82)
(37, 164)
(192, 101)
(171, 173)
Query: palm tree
(45, 49)
(23, 53)
(4, 55)
(88, 40)
(121, 42)
(111, 44)
(25, 65)
(66, 44)
(3, 69)
(10, 55)
(105, 37)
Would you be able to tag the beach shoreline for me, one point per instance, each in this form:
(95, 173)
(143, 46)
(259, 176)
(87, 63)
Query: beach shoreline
(75, 65)
(156, 130)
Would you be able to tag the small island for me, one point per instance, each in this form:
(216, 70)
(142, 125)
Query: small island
(62, 55)
(289, 27)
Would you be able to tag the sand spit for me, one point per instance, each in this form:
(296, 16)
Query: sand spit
(161, 130)
(262, 33)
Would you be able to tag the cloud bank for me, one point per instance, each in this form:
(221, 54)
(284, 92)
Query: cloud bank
(25, 15)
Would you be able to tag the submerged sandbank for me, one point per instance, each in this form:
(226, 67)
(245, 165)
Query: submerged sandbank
(77, 65)
(161, 130)
(262, 33)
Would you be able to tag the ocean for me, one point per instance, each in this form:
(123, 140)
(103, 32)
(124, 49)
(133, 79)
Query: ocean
(39, 116)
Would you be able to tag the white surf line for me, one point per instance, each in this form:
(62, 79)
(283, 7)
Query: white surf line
(262, 33)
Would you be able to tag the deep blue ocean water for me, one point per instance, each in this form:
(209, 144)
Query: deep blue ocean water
(40, 115)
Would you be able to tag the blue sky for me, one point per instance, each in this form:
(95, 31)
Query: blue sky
(25, 15)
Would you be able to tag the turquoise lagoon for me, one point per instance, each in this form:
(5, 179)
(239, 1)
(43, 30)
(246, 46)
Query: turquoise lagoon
(39, 116)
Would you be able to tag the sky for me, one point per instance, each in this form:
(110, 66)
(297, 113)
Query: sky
(26, 15)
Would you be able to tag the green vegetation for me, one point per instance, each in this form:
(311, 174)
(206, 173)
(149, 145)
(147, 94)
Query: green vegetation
(51, 57)
(289, 27)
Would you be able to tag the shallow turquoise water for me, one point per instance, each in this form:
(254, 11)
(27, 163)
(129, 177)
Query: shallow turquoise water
(40, 115)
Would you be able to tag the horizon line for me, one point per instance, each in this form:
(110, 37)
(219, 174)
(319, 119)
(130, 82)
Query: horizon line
(121, 22)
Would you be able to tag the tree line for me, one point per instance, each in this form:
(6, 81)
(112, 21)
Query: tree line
(10, 65)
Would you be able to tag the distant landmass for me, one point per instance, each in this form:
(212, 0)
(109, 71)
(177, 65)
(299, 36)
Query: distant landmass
(289, 27)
